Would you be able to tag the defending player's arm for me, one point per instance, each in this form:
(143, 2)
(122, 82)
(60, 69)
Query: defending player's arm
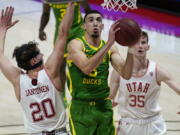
(55, 59)
(114, 84)
(44, 20)
(11, 72)
(85, 5)
(76, 54)
(124, 68)
(164, 76)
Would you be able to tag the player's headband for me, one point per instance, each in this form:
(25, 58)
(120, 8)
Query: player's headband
(36, 61)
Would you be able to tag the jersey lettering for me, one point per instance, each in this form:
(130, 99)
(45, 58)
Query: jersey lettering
(92, 81)
(137, 87)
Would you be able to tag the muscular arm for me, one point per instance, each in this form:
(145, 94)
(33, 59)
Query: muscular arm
(11, 73)
(114, 84)
(44, 20)
(85, 5)
(123, 67)
(87, 65)
(166, 77)
(55, 59)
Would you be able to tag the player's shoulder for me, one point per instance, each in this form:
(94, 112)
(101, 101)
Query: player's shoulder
(75, 43)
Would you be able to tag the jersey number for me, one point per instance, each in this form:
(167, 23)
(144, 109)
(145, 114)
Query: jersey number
(137, 100)
(45, 106)
(62, 13)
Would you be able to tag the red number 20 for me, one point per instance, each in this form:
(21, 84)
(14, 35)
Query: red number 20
(46, 106)
(137, 100)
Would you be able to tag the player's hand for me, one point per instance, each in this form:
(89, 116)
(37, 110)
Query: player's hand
(112, 31)
(6, 18)
(42, 35)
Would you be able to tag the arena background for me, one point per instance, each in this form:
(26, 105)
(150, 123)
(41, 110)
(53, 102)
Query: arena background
(161, 23)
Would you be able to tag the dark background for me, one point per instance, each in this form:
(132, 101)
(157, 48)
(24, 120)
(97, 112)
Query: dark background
(168, 6)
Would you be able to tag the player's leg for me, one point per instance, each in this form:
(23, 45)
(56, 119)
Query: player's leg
(145, 127)
(106, 125)
(81, 119)
(157, 127)
(126, 128)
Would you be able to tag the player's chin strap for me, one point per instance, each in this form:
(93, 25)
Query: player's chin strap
(36, 61)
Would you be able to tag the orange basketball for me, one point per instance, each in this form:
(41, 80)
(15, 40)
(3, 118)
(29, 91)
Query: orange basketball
(129, 32)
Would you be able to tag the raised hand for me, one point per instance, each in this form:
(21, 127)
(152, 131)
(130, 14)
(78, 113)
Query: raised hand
(112, 31)
(6, 18)
(42, 35)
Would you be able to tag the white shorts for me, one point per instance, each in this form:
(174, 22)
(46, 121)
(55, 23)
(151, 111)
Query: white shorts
(152, 126)
(55, 132)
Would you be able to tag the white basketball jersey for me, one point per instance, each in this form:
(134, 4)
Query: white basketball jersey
(42, 105)
(138, 97)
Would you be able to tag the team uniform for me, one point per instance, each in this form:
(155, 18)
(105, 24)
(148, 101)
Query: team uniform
(76, 28)
(138, 105)
(90, 110)
(43, 109)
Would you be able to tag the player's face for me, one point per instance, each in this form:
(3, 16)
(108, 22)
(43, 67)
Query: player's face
(141, 47)
(37, 58)
(93, 25)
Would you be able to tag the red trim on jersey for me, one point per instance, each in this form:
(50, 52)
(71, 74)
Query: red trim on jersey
(158, 83)
(19, 100)
(58, 89)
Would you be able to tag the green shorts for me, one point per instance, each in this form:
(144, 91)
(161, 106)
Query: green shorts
(91, 118)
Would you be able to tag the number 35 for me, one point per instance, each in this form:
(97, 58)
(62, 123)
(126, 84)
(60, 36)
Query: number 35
(137, 100)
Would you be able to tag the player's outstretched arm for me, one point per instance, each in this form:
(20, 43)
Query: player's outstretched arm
(128, 66)
(44, 21)
(55, 59)
(114, 84)
(87, 65)
(123, 67)
(10, 71)
(164, 76)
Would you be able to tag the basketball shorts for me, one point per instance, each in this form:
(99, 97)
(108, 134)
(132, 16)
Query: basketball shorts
(54, 132)
(91, 118)
(152, 126)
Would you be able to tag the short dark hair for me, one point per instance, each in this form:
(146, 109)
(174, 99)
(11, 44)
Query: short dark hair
(145, 34)
(91, 12)
(25, 53)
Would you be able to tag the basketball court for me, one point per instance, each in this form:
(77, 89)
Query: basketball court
(165, 50)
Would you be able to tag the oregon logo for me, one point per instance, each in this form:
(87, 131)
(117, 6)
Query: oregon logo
(93, 73)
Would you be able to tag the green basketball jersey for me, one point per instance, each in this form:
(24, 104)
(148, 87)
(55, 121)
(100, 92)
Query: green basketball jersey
(93, 86)
(59, 12)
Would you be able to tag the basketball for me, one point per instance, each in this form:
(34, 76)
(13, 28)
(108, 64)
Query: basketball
(129, 32)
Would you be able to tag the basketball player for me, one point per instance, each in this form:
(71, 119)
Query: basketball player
(138, 97)
(75, 31)
(37, 88)
(88, 63)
